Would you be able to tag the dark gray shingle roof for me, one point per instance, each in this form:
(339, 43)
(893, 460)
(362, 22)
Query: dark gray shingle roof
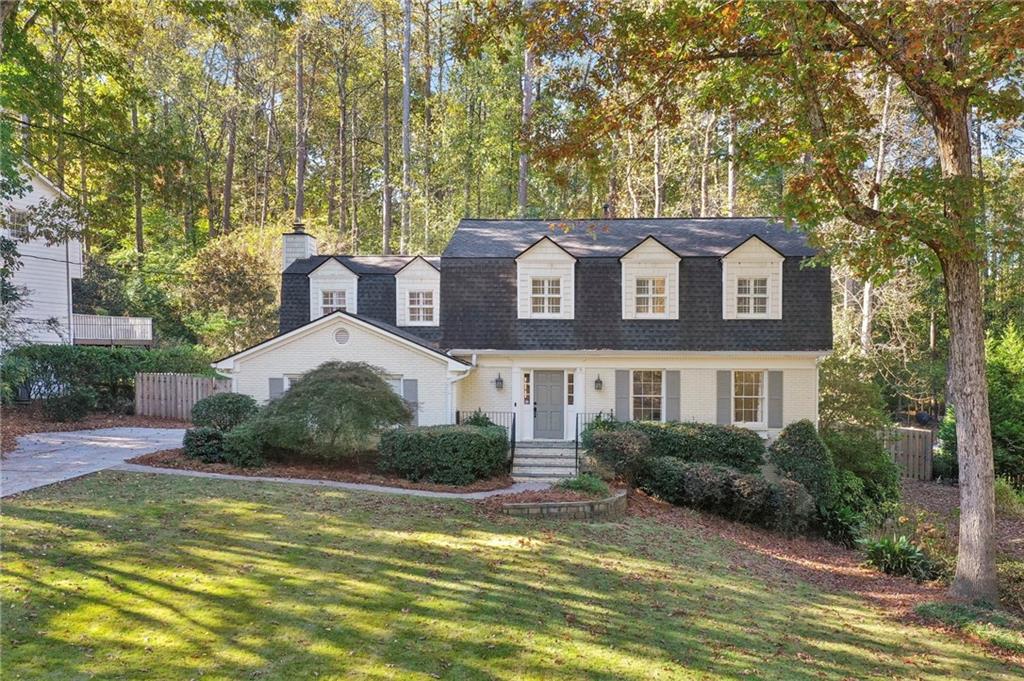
(360, 264)
(688, 237)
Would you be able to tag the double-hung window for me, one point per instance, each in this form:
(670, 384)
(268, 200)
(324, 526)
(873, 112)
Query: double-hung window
(421, 307)
(748, 397)
(646, 395)
(16, 222)
(546, 295)
(332, 301)
(752, 296)
(650, 295)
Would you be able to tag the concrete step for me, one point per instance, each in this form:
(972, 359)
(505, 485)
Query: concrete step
(536, 478)
(546, 444)
(544, 463)
(543, 471)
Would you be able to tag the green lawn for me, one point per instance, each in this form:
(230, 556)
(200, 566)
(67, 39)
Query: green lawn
(133, 576)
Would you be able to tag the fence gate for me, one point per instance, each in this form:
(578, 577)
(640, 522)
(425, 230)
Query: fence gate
(911, 449)
(172, 396)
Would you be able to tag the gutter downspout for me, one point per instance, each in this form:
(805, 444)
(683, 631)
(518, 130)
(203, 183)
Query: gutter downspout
(450, 387)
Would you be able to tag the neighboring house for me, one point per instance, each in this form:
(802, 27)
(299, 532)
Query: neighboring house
(721, 320)
(47, 311)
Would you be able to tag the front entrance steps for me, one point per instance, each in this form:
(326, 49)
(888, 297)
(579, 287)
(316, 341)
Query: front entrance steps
(544, 461)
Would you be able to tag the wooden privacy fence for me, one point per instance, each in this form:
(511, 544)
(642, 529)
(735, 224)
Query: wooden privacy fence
(911, 449)
(172, 396)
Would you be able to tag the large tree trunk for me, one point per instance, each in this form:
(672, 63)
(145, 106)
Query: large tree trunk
(731, 189)
(353, 177)
(229, 162)
(428, 143)
(300, 133)
(386, 160)
(634, 200)
(403, 242)
(527, 115)
(137, 185)
(867, 313)
(657, 173)
(705, 155)
(343, 133)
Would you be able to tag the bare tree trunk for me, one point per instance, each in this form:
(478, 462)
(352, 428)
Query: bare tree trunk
(83, 189)
(403, 242)
(229, 162)
(731, 182)
(527, 115)
(630, 186)
(867, 313)
(265, 192)
(657, 172)
(428, 146)
(705, 155)
(353, 179)
(58, 72)
(343, 134)
(300, 132)
(386, 161)
(137, 184)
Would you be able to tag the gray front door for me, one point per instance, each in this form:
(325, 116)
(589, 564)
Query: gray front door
(548, 412)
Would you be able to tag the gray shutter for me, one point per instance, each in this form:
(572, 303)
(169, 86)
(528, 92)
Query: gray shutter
(671, 395)
(774, 399)
(276, 388)
(622, 394)
(724, 398)
(411, 393)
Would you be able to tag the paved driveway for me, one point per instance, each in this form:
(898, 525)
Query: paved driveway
(45, 458)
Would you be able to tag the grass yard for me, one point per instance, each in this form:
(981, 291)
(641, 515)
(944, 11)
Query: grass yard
(131, 576)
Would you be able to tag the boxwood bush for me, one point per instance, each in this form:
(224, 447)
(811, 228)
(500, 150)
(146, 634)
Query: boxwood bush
(624, 452)
(204, 443)
(223, 411)
(448, 455)
(801, 455)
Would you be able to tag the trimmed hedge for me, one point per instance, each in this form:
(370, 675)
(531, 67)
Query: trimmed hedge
(447, 455)
(726, 445)
(243, 445)
(625, 452)
(223, 411)
(801, 455)
(74, 405)
(205, 444)
(783, 506)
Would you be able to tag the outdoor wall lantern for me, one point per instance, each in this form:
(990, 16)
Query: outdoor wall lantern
(598, 383)
(499, 382)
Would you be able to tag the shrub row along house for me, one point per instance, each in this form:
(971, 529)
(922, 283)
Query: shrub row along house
(718, 320)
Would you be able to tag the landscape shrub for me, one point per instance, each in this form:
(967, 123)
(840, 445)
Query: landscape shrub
(73, 405)
(587, 483)
(1011, 584)
(109, 372)
(801, 455)
(900, 556)
(448, 455)
(223, 411)
(243, 445)
(332, 411)
(625, 452)
(1008, 500)
(862, 452)
(752, 499)
(792, 508)
(205, 444)
(738, 448)
(600, 423)
(477, 418)
(945, 464)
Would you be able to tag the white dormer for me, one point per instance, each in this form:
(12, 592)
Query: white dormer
(546, 281)
(752, 281)
(418, 294)
(332, 286)
(650, 281)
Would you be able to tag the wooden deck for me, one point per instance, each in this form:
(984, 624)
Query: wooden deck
(92, 329)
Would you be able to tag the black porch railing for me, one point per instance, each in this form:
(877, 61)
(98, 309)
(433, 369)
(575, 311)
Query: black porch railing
(583, 420)
(505, 419)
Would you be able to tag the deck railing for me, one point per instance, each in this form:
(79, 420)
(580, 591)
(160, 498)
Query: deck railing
(93, 329)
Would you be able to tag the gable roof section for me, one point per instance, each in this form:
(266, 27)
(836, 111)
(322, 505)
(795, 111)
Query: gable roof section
(362, 264)
(436, 264)
(399, 335)
(541, 240)
(686, 237)
(649, 237)
(753, 236)
(329, 259)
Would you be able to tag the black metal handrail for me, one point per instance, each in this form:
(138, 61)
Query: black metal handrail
(505, 419)
(584, 419)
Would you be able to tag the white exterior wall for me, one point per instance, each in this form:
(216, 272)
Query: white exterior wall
(306, 351)
(332, 276)
(698, 385)
(418, 275)
(46, 273)
(545, 259)
(752, 259)
(650, 259)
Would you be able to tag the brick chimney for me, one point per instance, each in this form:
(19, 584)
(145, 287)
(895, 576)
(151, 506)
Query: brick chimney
(296, 245)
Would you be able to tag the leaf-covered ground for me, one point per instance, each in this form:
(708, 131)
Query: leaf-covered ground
(123, 575)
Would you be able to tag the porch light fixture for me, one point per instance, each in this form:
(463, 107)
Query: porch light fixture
(598, 383)
(499, 382)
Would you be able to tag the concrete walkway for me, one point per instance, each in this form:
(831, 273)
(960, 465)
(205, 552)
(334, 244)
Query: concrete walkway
(45, 458)
(355, 486)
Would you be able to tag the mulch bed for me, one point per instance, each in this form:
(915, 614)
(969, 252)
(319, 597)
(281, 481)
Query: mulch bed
(363, 471)
(19, 420)
(944, 502)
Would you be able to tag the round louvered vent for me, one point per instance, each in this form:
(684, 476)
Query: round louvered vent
(341, 336)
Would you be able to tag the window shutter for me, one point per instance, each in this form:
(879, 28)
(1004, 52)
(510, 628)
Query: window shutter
(671, 395)
(774, 399)
(276, 387)
(622, 394)
(411, 393)
(724, 398)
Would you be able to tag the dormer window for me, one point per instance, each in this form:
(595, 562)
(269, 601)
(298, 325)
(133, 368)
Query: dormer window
(650, 281)
(751, 295)
(545, 296)
(752, 281)
(650, 296)
(418, 293)
(421, 307)
(332, 301)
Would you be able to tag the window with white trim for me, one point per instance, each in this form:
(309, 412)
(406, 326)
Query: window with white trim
(421, 306)
(16, 223)
(526, 387)
(545, 295)
(748, 397)
(646, 395)
(570, 387)
(650, 295)
(332, 301)
(752, 296)
(395, 383)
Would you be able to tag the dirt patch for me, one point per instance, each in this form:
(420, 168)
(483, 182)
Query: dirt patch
(363, 471)
(21, 420)
(943, 501)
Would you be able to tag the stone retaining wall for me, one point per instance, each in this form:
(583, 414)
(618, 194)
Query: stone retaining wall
(612, 507)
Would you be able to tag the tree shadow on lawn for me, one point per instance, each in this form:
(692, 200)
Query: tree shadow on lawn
(137, 576)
